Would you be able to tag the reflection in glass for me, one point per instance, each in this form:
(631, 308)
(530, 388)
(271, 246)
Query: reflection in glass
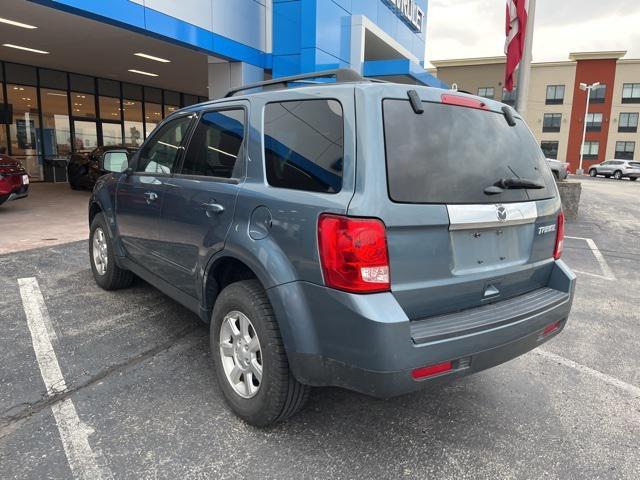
(23, 131)
(83, 105)
(86, 136)
(111, 134)
(169, 109)
(153, 116)
(3, 131)
(133, 128)
(110, 109)
(55, 122)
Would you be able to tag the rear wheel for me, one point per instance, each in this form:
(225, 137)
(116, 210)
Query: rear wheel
(3, 199)
(249, 357)
(593, 172)
(617, 175)
(633, 179)
(105, 271)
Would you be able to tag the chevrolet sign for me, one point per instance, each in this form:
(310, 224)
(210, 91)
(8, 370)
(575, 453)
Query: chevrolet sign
(409, 12)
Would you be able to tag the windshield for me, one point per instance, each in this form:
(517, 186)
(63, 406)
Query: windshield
(451, 154)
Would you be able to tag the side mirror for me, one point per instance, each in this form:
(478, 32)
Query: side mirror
(115, 161)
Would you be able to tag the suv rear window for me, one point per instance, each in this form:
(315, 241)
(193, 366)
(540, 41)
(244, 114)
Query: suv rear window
(303, 145)
(450, 154)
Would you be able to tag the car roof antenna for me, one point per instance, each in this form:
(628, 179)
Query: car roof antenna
(416, 103)
(508, 115)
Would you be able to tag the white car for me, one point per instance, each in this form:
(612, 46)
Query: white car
(617, 169)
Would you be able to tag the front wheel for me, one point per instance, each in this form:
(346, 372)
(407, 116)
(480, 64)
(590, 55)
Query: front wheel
(249, 357)
(617, 175)
(105, 271)
(593, 172)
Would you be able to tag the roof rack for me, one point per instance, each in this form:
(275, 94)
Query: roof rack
(342, 75)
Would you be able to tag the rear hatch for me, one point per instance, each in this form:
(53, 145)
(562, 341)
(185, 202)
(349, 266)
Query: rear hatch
(458, 236)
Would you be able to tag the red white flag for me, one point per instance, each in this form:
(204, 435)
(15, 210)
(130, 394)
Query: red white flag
(516, 30)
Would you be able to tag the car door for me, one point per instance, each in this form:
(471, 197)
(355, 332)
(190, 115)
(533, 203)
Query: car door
(200, 198)
(141, 192)
(605, 168)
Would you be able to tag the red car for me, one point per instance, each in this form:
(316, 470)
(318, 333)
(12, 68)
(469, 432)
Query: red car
(14, 181)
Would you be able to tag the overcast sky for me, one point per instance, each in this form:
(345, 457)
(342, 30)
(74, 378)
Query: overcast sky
(475, 28)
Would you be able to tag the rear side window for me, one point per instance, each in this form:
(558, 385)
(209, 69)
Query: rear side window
(214, 149)
(161, 151)
(304, 145)
(450, 154)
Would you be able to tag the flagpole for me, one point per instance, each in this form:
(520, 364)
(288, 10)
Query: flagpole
(524, 69)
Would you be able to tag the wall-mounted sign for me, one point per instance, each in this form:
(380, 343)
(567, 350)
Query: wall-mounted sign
(409, 11)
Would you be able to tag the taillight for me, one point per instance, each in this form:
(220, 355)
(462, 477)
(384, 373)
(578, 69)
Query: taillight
(557, 251)
(353, 254)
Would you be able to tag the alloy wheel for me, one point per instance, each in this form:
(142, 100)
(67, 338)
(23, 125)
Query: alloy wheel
(100, 252)
(241, 354)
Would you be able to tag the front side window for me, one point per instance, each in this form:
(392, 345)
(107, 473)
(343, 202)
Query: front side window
(215, 149)
(590, 150)
(551, 122)
(631, 93)
(628, 122)
(304, 145)
(486, 92)
(555, 94)
(594, 122)
(550, 149)
(625, 150)
(161, 152)
(598, 93)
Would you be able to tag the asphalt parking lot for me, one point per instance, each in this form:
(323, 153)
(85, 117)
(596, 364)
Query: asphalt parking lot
(139, 392)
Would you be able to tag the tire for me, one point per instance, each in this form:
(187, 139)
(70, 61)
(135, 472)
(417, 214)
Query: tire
(107, 275)
(3, 199)
(633, 179)
(277, 395)
(617, 175)
(556, 175)
(74, 186)
(593, 172)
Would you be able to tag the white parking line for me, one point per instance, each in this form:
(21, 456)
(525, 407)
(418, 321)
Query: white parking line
(615, 382)
(84, 462)
(607, 274)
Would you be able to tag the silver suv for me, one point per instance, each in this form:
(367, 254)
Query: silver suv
(617, 169)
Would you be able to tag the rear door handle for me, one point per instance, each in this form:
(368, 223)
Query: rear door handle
(151, 197)
(212, 208)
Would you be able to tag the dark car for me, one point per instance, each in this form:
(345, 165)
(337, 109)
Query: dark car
(14, 180)
(84, 169)
(326, 234)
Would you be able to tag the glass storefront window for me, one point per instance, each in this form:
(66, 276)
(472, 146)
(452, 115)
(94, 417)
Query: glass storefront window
(25, 145)
(83, 105)
(133, 128)
(86, 135)
(111, 133)
(3, 130)
(169, 109)
(55, 122)
(110, 109)
(152, 116)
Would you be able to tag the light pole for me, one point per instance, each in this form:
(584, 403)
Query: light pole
(587, 88)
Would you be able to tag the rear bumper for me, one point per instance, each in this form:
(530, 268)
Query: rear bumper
(365, 342)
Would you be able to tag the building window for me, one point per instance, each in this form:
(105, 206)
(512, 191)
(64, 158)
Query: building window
(550, 149)
(590, 150)
(598, 93)
(487, 92)
(55, 122)
(551, 122)
(631, 93)
(509, 97)
(594, 122)
(23, 132)
(625, 150)
(555, 95)
(628, 122)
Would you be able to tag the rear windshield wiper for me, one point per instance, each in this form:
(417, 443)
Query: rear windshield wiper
(512, 184)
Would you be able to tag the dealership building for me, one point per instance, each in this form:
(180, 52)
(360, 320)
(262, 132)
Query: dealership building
(557, 110)
(77, 74)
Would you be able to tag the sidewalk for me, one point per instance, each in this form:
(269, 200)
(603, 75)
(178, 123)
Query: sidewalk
(52, 214)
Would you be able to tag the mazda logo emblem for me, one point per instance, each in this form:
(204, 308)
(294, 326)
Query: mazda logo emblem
(502, 213)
